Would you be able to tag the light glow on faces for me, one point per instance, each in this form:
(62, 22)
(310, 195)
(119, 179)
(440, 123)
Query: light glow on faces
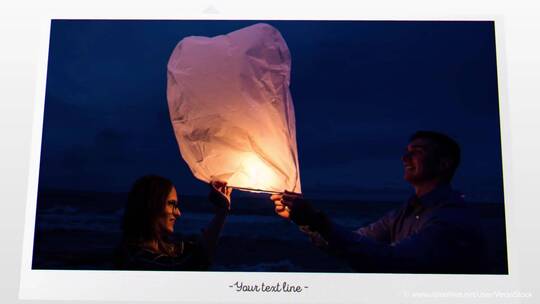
(418, 161)
(171, 212)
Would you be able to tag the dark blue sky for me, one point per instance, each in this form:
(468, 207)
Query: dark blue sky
(359, 89)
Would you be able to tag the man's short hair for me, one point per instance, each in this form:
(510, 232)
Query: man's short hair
(446, 147)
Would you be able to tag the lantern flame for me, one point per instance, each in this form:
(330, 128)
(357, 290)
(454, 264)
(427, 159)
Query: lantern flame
(254, 174)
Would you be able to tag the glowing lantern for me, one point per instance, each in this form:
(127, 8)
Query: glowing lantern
(232, 111)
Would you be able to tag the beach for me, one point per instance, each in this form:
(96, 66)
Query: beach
(80, 230)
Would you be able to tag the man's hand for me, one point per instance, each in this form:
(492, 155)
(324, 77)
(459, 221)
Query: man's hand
(220, 196)
(280, 207)
(292, 206)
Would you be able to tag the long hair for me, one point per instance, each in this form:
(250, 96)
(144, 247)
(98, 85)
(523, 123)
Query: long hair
(145, 205)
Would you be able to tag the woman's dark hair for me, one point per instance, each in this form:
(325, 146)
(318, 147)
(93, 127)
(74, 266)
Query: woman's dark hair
(145, 204)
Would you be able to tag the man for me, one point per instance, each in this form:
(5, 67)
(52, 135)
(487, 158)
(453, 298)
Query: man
(433, 232)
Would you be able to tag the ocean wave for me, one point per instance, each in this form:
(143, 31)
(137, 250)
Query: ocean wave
(248, 226)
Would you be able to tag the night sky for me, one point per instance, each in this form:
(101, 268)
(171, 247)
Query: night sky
(360, 89)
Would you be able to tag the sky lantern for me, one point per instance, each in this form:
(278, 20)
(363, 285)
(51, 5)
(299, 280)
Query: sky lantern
(232, 111)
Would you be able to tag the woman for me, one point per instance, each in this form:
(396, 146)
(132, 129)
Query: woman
(151, 211)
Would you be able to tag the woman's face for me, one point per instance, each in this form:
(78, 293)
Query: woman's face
(171, 212)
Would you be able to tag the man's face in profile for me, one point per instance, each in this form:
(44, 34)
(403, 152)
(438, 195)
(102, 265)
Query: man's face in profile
(420, 161)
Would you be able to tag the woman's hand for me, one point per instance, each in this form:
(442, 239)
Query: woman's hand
(220, 196)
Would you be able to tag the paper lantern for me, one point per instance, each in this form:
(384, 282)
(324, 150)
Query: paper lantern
(232, 111)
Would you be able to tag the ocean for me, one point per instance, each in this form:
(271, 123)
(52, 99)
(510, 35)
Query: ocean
(80, 230)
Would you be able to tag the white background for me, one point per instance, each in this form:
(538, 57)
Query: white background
(518, 29)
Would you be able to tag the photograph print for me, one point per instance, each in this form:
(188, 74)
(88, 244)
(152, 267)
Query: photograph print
(271, 146)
